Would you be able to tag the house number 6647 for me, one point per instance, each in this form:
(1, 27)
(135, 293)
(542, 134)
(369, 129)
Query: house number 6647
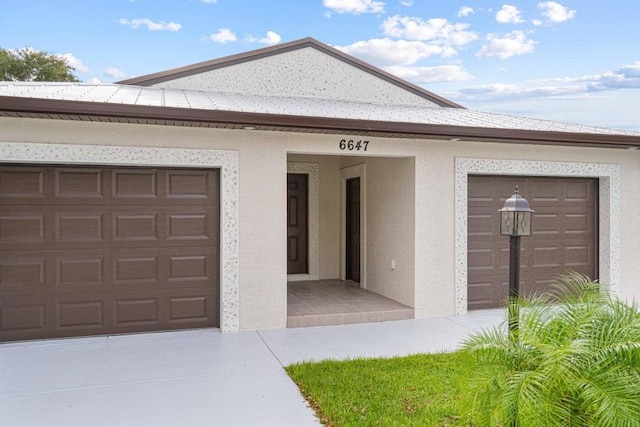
(351, 145)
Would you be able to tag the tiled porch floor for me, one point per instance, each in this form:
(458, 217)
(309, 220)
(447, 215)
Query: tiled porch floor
(336, 302)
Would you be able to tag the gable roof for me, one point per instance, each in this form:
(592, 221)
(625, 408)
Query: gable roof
(178, 107)
(243, 58)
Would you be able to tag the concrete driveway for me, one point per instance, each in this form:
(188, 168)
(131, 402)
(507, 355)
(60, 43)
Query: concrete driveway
(199, 377)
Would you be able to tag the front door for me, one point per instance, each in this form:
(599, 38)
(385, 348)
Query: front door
(297, 259)
(353, 230)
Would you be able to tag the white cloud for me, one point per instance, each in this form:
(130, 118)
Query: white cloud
(386, 52)
(114, 73)
(270, 38)
(223, 35)
(407, 3)
(151, 25)
(627, 77)
(465, 11)
(537, 22)
(506, 46)
(509, 15)
(355, 7)
(94, 81)
(74, 62)
(502, 91)
(209, 1)
(438, 30)
(441, 73)
(580, 87)
(555, 12)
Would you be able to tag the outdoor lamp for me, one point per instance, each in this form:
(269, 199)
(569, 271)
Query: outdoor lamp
(515, 221)
(515, 216)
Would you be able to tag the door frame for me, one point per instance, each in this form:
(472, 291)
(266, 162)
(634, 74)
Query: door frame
(226, 160)
(608, 211)
(313, 218)
(356, 171)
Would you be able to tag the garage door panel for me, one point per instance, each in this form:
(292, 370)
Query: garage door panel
(577, 191)
(23, 318)
(82, 271)
(136, 225)
(99, 250)
(579, 256)
(185, 185)
(140, 268)
(78, 183)
(544, 192)
(136, 312)
(80, 225)
(74, 315)
(563, 239)
(20, 225)
(188, 225)
(28, 183)
(135, 184)
(28, 272)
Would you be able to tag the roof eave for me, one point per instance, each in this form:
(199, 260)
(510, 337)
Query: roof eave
(44, 107)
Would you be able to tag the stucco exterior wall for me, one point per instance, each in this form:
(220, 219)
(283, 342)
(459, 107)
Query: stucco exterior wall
(262, 186)
(306, 73)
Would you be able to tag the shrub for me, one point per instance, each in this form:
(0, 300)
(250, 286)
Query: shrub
(574, 362)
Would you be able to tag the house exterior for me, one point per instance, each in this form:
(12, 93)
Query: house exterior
(163, 202)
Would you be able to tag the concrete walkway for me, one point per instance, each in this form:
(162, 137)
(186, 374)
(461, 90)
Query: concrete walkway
(196, 378)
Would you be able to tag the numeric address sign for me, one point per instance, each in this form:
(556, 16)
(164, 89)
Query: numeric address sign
(351, 145)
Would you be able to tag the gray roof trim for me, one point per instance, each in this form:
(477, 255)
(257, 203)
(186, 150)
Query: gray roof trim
(201, 67)
(130, 113)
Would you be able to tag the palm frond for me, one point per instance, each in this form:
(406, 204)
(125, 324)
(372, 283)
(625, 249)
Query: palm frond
(575, 360)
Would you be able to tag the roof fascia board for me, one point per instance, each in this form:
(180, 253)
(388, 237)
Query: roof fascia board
(201, 67)
(83, 108)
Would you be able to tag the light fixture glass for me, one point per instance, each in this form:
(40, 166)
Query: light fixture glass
(515, 216)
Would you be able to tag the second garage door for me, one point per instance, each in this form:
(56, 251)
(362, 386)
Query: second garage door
(90, 250)
(563, 234)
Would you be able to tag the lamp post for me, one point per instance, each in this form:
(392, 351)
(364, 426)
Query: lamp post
(515, 221)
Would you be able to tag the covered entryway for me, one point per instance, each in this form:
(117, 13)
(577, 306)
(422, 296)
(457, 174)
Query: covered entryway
(95, 250)
(563, 237)
(364, 263)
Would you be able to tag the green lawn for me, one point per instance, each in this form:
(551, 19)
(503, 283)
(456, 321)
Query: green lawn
(420, 390)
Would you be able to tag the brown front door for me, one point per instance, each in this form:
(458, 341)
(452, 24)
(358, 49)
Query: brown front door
(353, 230)
(563, 236)
(95, 250)
(297, 187)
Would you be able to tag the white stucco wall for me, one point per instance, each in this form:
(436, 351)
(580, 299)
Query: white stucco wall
(262, 188)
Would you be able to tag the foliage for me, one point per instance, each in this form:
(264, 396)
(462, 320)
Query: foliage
(419, 390)
(31, 65)
(576, 361)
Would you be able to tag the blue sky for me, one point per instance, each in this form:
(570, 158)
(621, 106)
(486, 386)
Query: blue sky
(567, 60)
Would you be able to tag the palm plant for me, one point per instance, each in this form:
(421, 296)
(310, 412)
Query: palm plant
(575, 362)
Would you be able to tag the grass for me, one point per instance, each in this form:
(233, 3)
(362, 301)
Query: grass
(419, 390)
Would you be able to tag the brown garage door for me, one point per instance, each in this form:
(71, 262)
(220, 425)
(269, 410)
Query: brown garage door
(563, 234)
(92, 250)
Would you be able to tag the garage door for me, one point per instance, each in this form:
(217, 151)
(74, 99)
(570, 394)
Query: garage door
(93, 250)
(563, 235)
